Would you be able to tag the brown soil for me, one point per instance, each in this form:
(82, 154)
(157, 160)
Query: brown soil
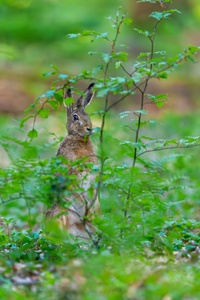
(13, 98)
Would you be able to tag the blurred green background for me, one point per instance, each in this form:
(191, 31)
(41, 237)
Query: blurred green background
(33, 36)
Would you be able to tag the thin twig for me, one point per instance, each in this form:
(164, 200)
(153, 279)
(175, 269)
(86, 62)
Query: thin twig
(168, 148)
(15, 198)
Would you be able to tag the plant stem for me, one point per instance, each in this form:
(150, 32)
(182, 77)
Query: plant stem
(142, 91)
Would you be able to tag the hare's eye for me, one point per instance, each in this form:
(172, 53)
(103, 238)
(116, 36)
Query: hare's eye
(75, 117)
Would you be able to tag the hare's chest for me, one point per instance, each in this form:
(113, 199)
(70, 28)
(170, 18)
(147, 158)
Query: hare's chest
(86, 180)
(73, 149)
(86, 152)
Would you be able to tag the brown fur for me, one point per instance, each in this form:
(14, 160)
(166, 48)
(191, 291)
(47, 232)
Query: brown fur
(74, 147)
(77, 144)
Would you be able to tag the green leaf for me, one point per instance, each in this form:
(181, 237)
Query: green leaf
(97, 70)
(170, 142)
(47, 74)
(53, 104)
(106, 57)
(128, 21)
(163, 15)
(143, 32)
(102, 92)
(193, 49)
(54, 67)
(62, 76)
(157, 15)
(59, 98)
(92, 33)
(120, 55)
(44, 113)
(68, 101)
(93, 53)
(159, 100)
(144, 54)
(89, 33)
(98, 35)
(172, 11)
(147, 138)
(23, 121)
(118, 80)
(124, 114)
(73, 35)
(138, 145)
(50, 93)
(47, 94)
(163, 75)
(118, 64)
(192, 139)
(32, 134)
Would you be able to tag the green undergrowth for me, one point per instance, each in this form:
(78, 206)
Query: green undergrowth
(153, 254)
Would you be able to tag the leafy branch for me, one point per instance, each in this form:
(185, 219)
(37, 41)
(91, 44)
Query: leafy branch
(186, 145)
(142, 90)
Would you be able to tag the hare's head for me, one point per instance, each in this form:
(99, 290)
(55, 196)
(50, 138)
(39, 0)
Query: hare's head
(78, 121)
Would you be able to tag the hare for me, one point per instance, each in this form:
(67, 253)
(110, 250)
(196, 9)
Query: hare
(75, 146)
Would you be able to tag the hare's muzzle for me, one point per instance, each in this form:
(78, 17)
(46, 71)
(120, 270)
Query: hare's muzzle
(88, 130)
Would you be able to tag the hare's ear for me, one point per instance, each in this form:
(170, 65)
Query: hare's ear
(68, 94)
(83, 101)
